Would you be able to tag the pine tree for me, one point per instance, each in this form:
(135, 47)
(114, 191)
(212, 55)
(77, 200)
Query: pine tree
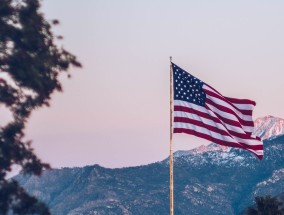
(30, 63)
(265, 205)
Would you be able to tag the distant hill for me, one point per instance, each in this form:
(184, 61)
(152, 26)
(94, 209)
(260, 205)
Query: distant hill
(207, 180)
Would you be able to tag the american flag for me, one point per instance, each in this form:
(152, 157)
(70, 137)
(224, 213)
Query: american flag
(202, 111)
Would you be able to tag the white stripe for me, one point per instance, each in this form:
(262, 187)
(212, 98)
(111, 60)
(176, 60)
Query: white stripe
(231, 117)
(235, 138)
(252, 142)
(228, 105)
(239, 106)
(211, 113)
(204, 131)
(223, 126)
(222, 113)
(191, 105)
(244, 106)
(198, 118)
(215, 135)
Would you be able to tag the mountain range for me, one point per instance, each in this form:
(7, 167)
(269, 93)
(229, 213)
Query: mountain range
(207, 180)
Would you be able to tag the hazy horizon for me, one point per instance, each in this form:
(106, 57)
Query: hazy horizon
(115, 111)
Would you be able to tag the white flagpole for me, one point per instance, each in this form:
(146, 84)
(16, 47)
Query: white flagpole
(171, 150)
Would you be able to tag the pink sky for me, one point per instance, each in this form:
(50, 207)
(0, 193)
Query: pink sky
(115, 111)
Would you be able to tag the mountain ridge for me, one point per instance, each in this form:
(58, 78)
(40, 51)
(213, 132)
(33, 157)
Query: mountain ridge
(217, 181)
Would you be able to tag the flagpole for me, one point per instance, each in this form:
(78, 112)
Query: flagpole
(171, 137)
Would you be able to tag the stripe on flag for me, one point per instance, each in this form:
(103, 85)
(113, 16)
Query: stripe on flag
(202, 111)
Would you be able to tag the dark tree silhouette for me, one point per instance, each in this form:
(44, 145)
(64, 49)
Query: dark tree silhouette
(30, 63)
(265, 205)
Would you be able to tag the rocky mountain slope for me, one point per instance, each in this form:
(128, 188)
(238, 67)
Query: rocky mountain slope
(208, 180)
(268, 126)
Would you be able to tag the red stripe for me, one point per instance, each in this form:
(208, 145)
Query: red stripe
(221, 142)
(228, 110)
(201, 124)
(234, 100)
(229, 133)
(241, 101)
(229, 121)
(207, 116)
(242, 145)
(245, 112)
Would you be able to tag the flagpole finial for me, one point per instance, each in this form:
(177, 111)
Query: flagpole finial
(171, 58)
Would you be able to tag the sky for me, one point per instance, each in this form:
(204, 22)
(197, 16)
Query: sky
(115, 110)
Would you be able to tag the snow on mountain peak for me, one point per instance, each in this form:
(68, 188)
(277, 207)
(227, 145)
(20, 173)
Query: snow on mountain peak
(211, 147)
(268, 126)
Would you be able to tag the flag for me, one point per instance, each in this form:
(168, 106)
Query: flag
(202, 111)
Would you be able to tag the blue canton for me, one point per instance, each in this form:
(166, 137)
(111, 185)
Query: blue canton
(187, 87)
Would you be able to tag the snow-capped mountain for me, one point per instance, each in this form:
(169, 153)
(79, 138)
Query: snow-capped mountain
(268, 126)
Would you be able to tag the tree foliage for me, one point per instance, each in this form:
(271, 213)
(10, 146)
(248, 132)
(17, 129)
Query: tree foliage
(266, 205)
(30, 63)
